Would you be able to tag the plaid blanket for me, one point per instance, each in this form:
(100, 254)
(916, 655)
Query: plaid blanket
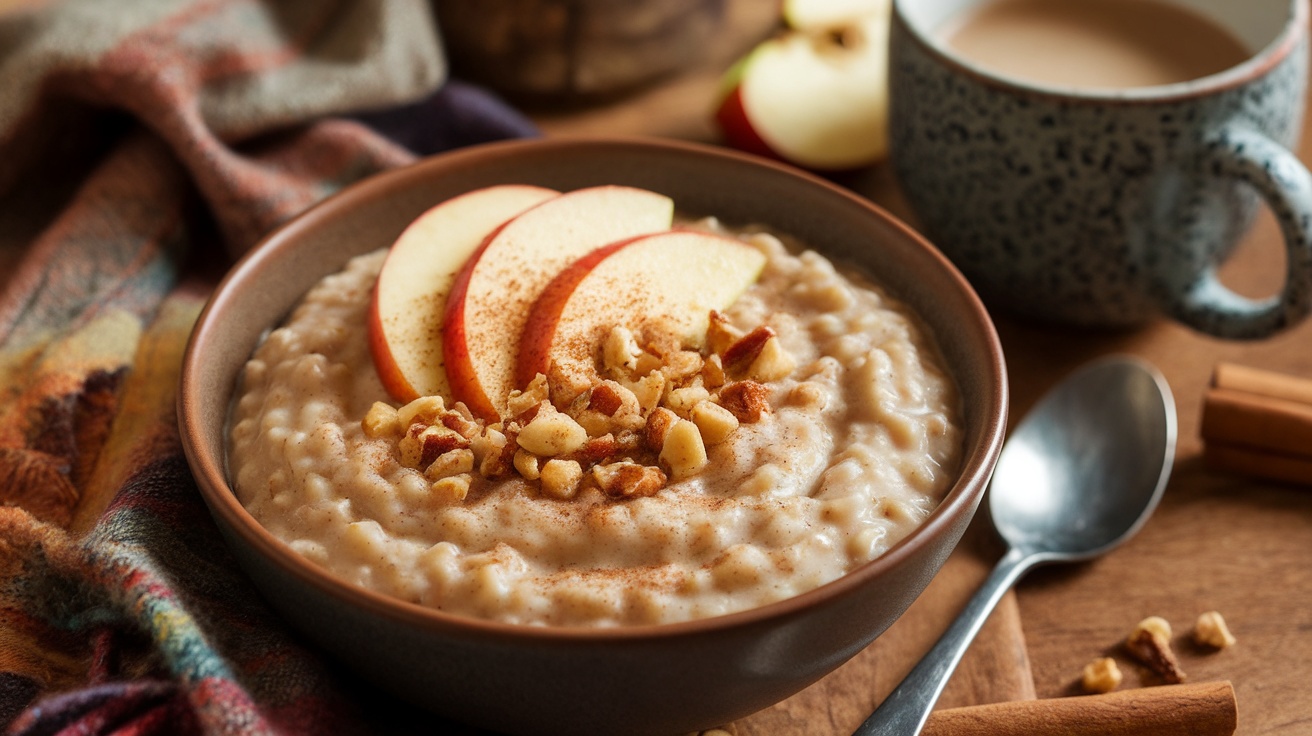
(143, 146)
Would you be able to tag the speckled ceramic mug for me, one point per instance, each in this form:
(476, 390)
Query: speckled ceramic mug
(1108, 207)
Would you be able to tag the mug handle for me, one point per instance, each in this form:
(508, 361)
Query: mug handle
(1284, 183)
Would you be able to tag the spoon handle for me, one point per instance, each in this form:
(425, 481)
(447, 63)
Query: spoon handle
(905, 710)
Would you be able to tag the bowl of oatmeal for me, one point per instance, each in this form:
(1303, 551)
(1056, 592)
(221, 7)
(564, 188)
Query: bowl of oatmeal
(725, 452)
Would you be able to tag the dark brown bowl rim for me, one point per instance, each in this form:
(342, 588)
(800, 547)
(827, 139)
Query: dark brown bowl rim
(211, 478)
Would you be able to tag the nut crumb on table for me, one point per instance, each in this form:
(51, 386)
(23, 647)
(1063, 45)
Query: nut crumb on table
(1211, 631)
(1101, 676)
(1150, 643)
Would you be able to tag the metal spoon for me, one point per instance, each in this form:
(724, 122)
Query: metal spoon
(1080, 475)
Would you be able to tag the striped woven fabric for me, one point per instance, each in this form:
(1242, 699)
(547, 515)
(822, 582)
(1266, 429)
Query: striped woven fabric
(144, 144)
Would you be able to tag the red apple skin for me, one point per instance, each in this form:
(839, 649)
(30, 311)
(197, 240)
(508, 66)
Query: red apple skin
(455, 342)
(391, 353)
(462, 373)
(738, 132)
(389, 373)
(750, 127)
(535, 343)
(736, 127)
(540, 334)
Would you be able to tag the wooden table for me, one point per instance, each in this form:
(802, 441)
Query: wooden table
(1232, 544)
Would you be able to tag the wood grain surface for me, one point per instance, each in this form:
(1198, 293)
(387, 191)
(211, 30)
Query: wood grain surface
(1217, 542)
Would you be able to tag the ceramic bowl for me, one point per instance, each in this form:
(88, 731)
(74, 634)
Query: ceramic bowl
(651, 679)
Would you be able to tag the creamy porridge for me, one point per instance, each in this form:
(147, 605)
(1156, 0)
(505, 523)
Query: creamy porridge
(858, 444)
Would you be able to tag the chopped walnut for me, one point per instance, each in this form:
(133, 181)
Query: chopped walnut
(425, 410)
(682, 400)
(663, 404)
(454, 462)
(435, 442)
(629, 442)
(658, 425)
(620, 351)
(740, 355)
(1101, 676)
(452, 489)
(649, 390)
(560, 478)
(748, 400)
(594, 423)
(605, 398)
(381, 421)
(681, 365)
(528, 465)
(1211, 631)
(715, 422)
(720, 333)
(648, 364)
(684, 452)
(596, 449)
(772, 363)
(627, 479)
(618, 403)
(1150, 643)
(552, 433)
(530, 399)
(713, 372)
(493, 451)
(662, 339)
(460, 421)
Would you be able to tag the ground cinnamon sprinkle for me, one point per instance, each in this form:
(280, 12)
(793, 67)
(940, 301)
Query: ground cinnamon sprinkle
(788, 516)
(565, 436)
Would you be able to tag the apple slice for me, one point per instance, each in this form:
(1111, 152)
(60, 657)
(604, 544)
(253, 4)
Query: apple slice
(817, 100)
(493, 293)
(678, 276)
(409, 299)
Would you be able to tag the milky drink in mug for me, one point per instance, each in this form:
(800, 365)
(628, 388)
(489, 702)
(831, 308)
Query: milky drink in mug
(1094, 161)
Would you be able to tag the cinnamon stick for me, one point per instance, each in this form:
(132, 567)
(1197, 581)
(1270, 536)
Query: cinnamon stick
(1198, 709)
(1257, 421)
(1229, 458)
(1262, 383)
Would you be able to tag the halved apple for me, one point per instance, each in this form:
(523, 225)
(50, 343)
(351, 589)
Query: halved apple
(409, 300)
(818, 99)
(677, 277)
(493, 293)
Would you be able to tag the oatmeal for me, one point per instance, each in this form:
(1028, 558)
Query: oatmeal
(845, 444)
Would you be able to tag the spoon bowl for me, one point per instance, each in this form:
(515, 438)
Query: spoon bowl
(1106, 483)
(1080, 475)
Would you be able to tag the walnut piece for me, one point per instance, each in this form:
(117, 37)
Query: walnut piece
(740, 355)
(552, 433)
(381, 421)
(665, 402)
(747, 400)
(627, 479)
(560, 478)
(452, 489)
(1150, 643)
(720, 333)
(1211, 631)
(772, 363)
(683, 453)
(1101, 676)
(715, 422)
